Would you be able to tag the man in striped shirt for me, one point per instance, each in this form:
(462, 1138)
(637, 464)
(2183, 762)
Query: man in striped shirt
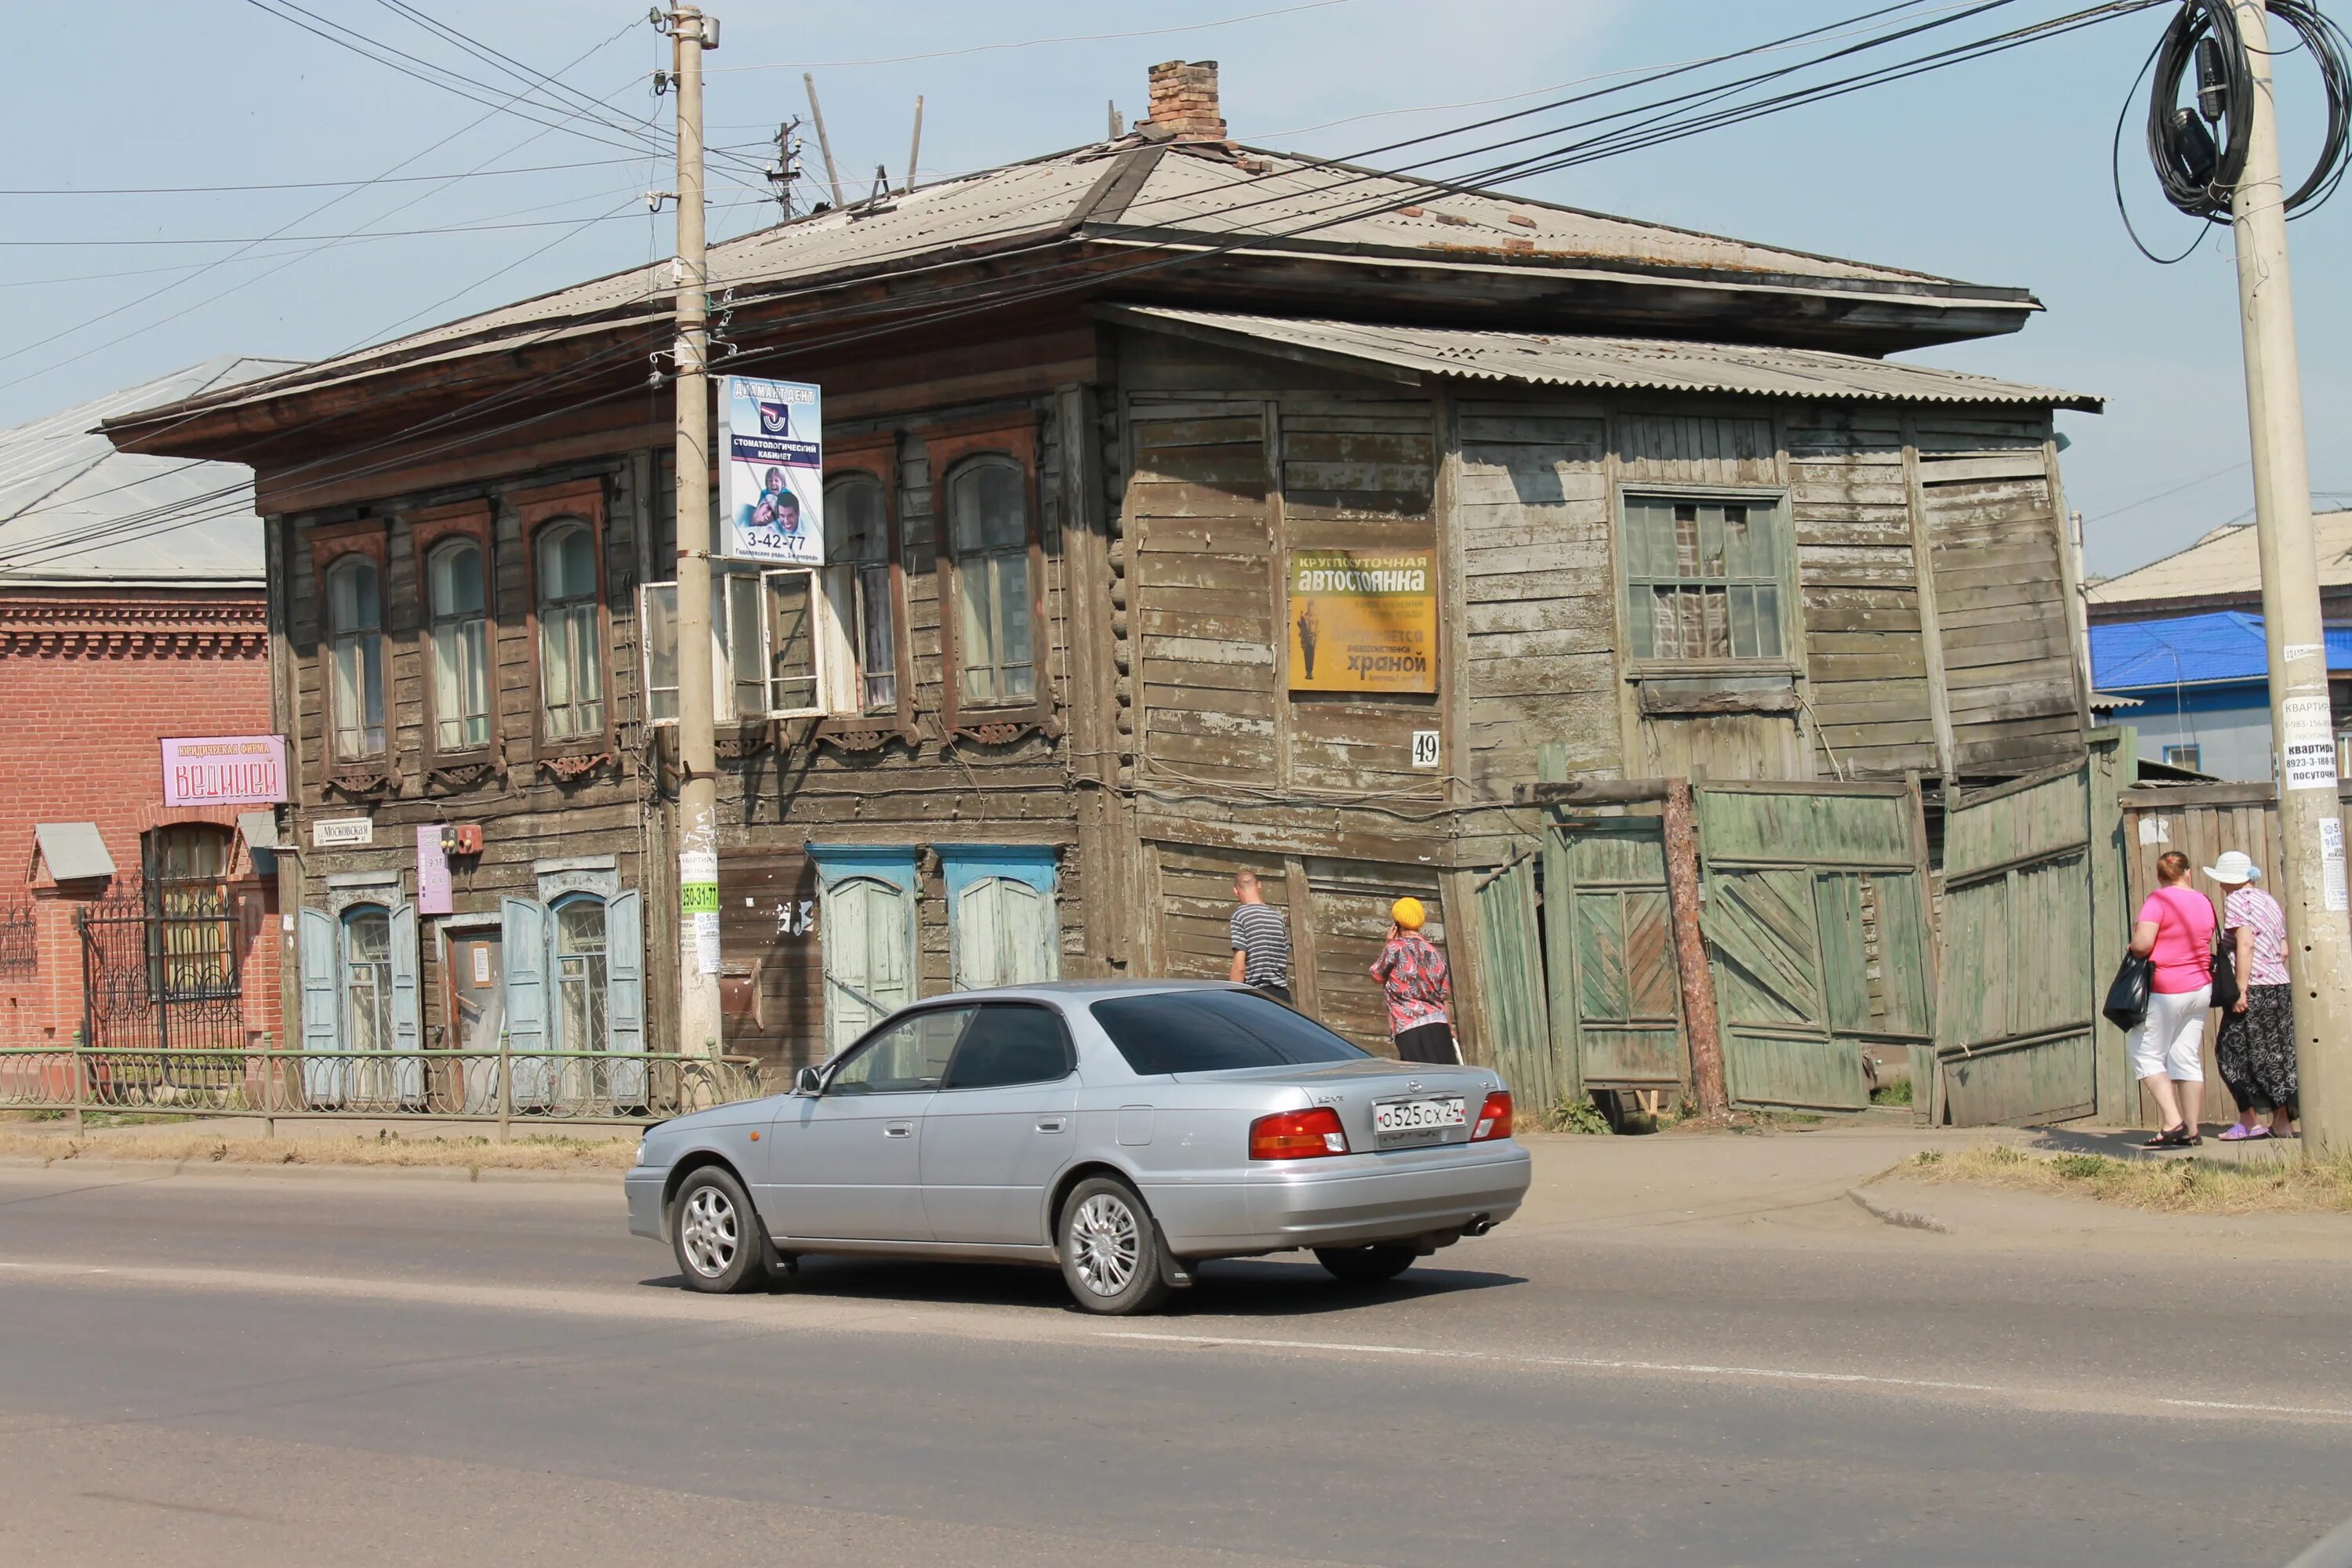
(1261, 940)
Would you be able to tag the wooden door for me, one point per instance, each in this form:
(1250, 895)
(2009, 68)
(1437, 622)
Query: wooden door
(1004, 934)
(1816, 923)
(2017, 1021)
(869, 955)
(1609, 940)
(477, 1013)
(1511, 969)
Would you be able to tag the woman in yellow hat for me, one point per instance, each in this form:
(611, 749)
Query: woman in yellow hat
(1412, 972)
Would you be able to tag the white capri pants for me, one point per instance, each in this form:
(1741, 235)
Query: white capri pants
(2171, 1041)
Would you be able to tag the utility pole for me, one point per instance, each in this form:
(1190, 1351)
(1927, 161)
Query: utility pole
(2319, 937)
(698, 794)
(915, 147)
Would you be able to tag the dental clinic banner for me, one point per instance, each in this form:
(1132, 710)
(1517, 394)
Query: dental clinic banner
(772, 483)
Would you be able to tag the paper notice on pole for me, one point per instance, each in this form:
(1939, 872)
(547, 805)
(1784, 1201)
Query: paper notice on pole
(2296, 651)
(2331, 864)
(2307, 745)
(698, 906)
(706, 942)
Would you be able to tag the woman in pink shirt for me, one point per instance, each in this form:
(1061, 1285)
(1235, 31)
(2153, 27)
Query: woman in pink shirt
(2175, 931)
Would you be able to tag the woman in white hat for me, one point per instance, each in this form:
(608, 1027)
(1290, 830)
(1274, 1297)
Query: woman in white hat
(2255, 1049)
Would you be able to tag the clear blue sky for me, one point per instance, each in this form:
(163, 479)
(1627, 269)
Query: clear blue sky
(1997, 172)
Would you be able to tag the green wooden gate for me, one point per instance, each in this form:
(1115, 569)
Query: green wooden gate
(1511, 972)
(1815, 917)
(2032, 924)
(1610, 955)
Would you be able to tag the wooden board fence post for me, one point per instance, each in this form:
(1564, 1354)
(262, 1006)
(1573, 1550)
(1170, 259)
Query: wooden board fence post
(1690, 951)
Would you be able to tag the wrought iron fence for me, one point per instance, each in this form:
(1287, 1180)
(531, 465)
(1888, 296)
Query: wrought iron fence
(161, 972)
(503, 1085)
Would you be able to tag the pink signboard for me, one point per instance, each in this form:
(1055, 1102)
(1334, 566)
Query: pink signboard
(432, 872)
(224, 770)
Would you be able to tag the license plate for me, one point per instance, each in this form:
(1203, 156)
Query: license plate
(1397, 1123)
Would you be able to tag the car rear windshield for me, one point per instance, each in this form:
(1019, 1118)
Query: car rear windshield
(1211, 1031)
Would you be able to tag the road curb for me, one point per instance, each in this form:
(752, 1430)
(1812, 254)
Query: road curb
(1887, 1213)
(298, 1171)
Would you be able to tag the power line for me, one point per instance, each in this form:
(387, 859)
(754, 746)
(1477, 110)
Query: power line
(1031, 43)
(307, 184)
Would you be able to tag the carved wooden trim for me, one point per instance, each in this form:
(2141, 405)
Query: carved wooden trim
(878, 455)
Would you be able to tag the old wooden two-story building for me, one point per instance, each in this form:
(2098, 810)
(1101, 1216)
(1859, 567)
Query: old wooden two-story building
(1190, 507)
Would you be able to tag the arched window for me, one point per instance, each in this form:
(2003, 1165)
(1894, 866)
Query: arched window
(367, 978)
(580, 974)
(570, 679)
(858, 534)
(988, 530)
(461, 681)
(355, 654)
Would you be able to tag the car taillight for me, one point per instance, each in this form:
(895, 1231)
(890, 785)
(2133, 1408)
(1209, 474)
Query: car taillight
(1494, 1118)
(1298, 1135)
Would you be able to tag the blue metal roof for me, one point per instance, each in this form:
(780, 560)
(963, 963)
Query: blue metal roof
(2192, 650)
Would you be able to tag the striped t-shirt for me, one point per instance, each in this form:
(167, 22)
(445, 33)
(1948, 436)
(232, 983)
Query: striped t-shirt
(1264, 936)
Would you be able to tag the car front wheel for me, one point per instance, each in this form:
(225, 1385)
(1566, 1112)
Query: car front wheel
(1110, 1249)
(717, 1236)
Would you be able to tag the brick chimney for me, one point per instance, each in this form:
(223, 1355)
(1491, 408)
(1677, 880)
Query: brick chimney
(1184, 103)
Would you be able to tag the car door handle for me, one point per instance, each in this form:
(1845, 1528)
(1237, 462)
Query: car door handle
(1053, 1124)
(897, 1128)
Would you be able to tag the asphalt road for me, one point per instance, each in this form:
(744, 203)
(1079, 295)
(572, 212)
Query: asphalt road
(246, 1370)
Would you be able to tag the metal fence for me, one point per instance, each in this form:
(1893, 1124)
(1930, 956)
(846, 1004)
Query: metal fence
(19, 952)
(160, 970)
(501, 1087)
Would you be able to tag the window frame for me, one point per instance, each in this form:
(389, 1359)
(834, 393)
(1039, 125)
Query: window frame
(345, 1032)
(949, 448)
(599, 989)
(368, 536)
(227, 979)
(872, 1039)
(581, 501)
(721, 676)
(428, 531)
(963, 1041)
(1773, 500)
(876, 458)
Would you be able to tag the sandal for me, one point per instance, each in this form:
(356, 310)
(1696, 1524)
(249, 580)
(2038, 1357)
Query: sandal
(2170, 1138)
(2243, 1134)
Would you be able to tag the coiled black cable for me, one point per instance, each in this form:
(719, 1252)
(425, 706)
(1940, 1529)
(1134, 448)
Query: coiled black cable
(2200, 173)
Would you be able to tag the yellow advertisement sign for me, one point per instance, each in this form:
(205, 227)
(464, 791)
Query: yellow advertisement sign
(1363, 620)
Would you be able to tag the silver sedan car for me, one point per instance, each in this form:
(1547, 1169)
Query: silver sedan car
(1119, 1131)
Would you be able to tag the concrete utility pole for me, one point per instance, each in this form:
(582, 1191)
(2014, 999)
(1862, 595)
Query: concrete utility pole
(698, 794)
(2319, 937)
(823, 142)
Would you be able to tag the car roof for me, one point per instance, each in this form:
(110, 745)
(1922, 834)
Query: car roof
(1075, 993)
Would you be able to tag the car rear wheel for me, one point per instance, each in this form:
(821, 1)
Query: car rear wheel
(1365, 1265)
(717, 1236)
(1111, 1248)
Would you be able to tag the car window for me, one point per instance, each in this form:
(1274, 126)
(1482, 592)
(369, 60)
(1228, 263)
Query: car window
(1208, 1031)
(904, 1058)
(1011, 1044)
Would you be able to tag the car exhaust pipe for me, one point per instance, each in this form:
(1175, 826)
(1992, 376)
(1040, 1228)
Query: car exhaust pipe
(1479, 1225)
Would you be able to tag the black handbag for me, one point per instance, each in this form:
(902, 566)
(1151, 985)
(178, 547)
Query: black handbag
(2126, 1005)
(2226, 990)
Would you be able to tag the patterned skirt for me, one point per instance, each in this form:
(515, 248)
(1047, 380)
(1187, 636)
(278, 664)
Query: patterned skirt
(2255, 1051)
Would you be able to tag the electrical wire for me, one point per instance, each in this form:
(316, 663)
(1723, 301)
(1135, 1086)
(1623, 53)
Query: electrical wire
(305, 184)
(2200, 175)
(1095, 279)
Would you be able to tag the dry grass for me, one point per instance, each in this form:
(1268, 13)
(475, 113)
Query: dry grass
(537, 1152)
(2168, 1187)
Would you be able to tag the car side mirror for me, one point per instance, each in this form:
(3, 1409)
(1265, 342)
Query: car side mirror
(808, 1081)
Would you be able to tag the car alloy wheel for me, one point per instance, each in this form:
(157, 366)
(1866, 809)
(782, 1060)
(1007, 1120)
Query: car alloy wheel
(1108, 1244)
(709, 1232)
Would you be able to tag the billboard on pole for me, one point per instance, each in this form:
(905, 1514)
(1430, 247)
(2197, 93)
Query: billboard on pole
(772, 484)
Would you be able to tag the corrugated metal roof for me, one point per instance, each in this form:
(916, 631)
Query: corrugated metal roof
(1195, 194)
(2192, 650)
(70, 504)
(1540, 359)
(2226, 562)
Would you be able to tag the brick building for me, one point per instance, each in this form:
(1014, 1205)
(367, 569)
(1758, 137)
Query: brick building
(149, 924)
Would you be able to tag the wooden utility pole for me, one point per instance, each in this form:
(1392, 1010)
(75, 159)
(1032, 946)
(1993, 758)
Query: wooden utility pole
(1681, 826)
(823, 142)
(698, 794)
(2319, 937)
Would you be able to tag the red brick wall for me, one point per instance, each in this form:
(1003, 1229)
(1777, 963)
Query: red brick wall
(89, 684)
